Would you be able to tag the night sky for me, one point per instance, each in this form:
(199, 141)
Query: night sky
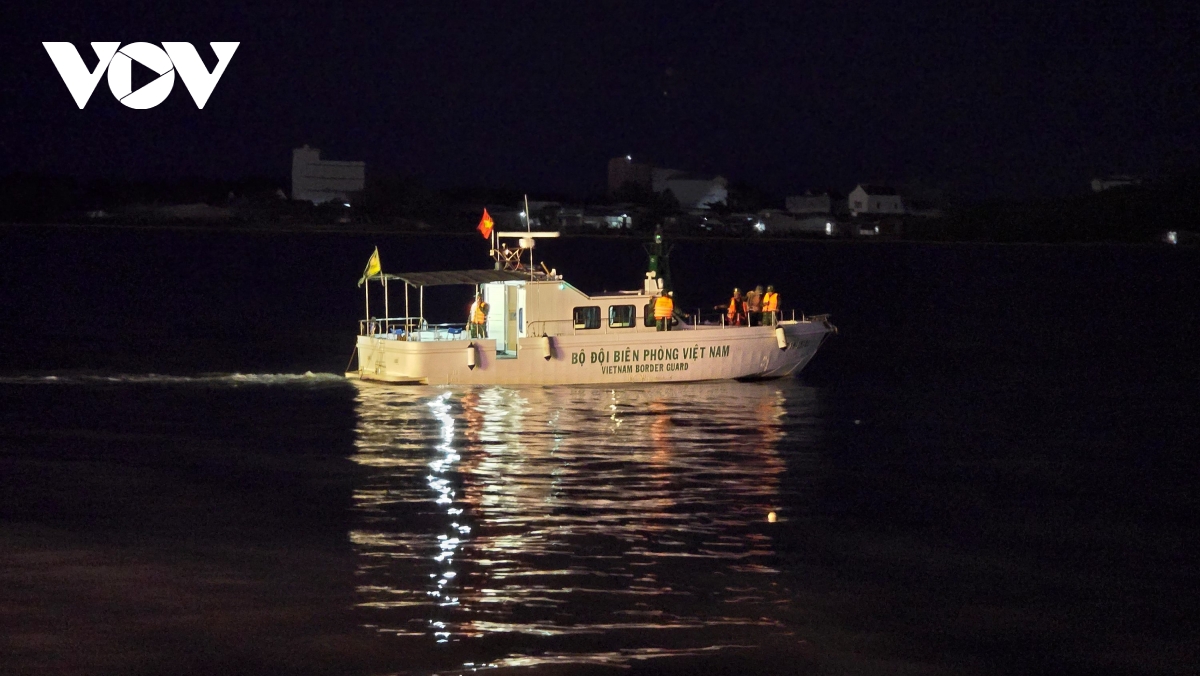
(975, 97)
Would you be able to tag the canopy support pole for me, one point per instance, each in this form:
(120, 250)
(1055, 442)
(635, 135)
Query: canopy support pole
(407, 322)
(422, 305)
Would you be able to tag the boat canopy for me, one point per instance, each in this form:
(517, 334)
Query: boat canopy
(464, 277)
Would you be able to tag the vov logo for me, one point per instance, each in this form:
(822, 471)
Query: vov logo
(171, 58)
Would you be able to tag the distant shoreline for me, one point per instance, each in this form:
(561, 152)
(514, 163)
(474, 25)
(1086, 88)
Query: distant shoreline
(1165, 210)
(274, 229)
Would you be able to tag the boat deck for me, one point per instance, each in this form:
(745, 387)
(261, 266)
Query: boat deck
(393, 329)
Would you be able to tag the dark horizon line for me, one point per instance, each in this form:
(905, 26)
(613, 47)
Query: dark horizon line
(282, 182)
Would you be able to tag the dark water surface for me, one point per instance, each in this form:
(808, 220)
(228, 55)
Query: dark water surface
(991, 470)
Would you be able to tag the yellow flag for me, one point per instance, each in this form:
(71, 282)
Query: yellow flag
(373, 267)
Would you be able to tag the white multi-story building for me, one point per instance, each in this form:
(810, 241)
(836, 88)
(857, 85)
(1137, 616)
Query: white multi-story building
(316, 180)
(875, 199)
(691, 191)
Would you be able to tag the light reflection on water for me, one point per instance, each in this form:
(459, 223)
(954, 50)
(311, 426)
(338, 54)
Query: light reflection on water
(532, 518)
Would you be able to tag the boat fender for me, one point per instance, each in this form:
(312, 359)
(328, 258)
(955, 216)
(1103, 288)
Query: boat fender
(547, 348)
(471, 356)
(780, 338)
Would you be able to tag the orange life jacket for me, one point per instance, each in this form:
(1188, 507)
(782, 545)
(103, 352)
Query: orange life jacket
(663, 307)
(737, 308)
(479, 312)
(770, 302)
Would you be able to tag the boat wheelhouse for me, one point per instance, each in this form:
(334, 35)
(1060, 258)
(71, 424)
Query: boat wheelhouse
(541, 330)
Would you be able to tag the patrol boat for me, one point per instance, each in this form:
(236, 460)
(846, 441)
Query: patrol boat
(543, 331)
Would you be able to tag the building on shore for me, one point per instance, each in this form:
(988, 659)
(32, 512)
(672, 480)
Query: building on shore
(784, 222)
(623, 171)
(875, 199)
(690, 190)
(316, 180)
(616, 217)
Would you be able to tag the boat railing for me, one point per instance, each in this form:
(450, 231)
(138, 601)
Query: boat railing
(410, 328)
(696, 320)
(416, 329)
(385, 325)
(709, 318)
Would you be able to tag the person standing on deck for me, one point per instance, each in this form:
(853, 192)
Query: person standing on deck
(664, 308)
(770, 306)
(754, 306)
(478, 317)
(735, 315)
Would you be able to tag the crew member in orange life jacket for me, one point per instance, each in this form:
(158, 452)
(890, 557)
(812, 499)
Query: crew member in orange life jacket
(770, 307)
(664, 307)
(736, 313)
(478, 317)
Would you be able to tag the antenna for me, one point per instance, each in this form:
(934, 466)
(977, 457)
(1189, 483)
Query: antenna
(529, 229)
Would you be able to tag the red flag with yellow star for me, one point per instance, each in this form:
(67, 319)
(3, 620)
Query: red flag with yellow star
(485, 225)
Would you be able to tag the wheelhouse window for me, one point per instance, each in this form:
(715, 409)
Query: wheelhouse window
(648, 314)
(587, 317)
(621, 316)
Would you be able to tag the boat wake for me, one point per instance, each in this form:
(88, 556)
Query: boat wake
(208, 379)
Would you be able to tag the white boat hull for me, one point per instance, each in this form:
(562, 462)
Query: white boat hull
(690, 354)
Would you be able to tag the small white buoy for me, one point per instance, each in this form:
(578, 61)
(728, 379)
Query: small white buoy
(771, 518)
(780, 338)
(471, 356)
(547, 349)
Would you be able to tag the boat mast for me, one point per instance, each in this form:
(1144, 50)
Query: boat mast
(528, 229)
(660, 263)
